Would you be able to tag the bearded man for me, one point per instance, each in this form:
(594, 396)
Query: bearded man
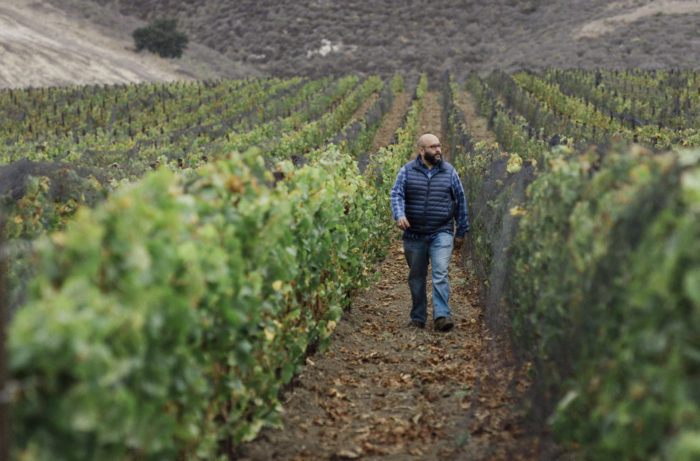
(426, 200)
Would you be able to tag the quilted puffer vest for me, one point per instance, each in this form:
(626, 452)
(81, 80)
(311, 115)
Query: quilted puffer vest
(429, 202)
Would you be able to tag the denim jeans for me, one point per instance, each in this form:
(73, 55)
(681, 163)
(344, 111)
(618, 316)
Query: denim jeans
(436, 249)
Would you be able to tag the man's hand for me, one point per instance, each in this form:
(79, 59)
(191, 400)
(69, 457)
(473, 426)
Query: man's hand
(458, 244)
(403, 223)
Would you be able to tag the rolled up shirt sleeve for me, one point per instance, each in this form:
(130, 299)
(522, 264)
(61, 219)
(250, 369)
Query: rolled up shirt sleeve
(461, 212)
(398, 199)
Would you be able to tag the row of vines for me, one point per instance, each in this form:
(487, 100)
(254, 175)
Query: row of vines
(586, 230)
(162, 321)
(42, 190)
(186, 243)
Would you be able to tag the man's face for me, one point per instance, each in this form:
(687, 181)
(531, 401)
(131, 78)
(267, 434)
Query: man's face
(431, 151)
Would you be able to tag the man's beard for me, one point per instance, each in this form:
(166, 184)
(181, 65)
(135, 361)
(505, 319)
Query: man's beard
(430, 158)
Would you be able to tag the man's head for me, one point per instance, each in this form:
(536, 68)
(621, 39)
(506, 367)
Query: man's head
(429, 149)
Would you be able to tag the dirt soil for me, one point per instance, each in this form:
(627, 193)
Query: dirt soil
(364, 107)
(478, 125)
(431, 120)
(599, 27)
(386, 390)
(41, 44)
(386, 131)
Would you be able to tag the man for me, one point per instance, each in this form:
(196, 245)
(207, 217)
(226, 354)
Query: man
(426, 199)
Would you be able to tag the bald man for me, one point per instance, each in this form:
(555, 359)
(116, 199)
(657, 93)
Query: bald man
(426, 200)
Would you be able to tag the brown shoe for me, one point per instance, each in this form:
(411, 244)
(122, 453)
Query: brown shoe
(443, 324)
(416, 324)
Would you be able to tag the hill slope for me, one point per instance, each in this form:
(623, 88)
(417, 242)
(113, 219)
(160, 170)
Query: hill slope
(65, 44)
(62, 42)
(318, 37)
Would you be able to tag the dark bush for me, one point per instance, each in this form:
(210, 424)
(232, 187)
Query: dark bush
(162, 37)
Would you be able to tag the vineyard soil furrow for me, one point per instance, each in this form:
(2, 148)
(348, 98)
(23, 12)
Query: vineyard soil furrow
(392, 122)
(477, 124)
(362, 110)
(381, 388)
(384, 390)
(431, 121)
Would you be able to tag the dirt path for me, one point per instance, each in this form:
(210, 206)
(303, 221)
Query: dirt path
(478, 125)
(385, 132)
(386, 391)
(364, 107)
(431, 120)
(383, 390)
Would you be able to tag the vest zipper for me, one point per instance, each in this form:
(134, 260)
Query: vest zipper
(427, 195)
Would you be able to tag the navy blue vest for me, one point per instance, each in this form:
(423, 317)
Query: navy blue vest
(430, 205)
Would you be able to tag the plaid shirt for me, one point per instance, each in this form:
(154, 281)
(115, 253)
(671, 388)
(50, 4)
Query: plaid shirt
(398, 201)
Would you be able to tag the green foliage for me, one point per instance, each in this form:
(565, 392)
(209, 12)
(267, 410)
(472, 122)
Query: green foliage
(602, 275)
(314, 133)
(161, 37)
(587, 114)
(397, 84)
(126, 131)
(659, 97)
(168, 318)
(31, 215)
(604, 290)
(101, 126)
(389, 160)
(507, 127)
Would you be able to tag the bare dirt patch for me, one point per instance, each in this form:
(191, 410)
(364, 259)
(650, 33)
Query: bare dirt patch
(65, 42)
(431, 120)
(431, 116)
(607, 25)
(364, 107)
(386, 131)
(40, 45)
(478, 125)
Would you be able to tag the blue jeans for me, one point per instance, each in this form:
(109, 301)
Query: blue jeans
(436, 249)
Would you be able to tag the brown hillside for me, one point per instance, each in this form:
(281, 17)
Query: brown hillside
(318, 37)
(72, 43)
(63, 42)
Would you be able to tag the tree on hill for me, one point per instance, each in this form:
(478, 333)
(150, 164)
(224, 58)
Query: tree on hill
(162, 37)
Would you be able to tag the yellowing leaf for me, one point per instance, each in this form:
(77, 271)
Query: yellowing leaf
(234, 184)
(515, 162)
(517, 211)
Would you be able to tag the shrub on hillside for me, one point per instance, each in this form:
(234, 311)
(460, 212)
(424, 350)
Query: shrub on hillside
(162, 37)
